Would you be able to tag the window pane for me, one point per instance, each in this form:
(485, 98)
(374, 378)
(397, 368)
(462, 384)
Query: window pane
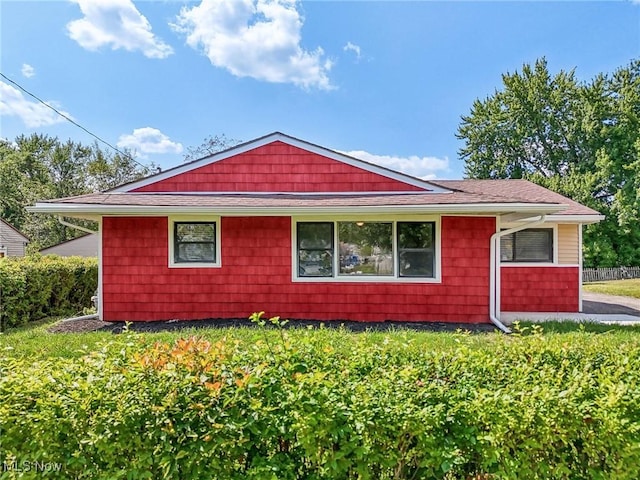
(315, 235)
(194, 242)
(533, 246)
(416, 262)
(315, 263)
(196, 252)
(506, 248)
(415, 234)
(315, 249)
(365, 248)
(416, 249)
(195, 232)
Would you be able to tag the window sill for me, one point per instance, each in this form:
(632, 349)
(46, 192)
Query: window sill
(368, 279)
(194, 265)
(537, 264)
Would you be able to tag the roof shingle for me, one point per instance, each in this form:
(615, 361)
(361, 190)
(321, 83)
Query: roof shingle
(517, 190)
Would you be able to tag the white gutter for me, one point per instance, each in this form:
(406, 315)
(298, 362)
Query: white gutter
(68, 209)
(77, 227)
(494, 271)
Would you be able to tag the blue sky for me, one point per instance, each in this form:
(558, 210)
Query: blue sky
(384, 81)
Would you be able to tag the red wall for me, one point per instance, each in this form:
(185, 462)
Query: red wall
(256, 275)
(277, 167)
(540, 289)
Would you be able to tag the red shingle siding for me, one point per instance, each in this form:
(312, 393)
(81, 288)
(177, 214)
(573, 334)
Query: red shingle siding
(540, 289)
(256, 275)
(277, 167)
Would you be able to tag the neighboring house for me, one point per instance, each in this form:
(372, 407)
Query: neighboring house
(84, 246)
(12, 242)
(298, 230)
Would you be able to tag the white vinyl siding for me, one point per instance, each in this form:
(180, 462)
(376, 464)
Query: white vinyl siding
(12, 243)
(568, 244)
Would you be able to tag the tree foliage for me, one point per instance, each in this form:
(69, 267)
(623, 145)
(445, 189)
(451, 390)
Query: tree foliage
(39, 167)
(581, 139)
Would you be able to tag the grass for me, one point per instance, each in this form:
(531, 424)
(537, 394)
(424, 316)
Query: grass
(35, 342)
(569, 327)
(625, 288)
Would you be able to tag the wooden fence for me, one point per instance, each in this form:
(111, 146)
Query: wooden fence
(616, 273)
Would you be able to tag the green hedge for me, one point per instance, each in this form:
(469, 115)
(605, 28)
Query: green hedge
(540, 407)
(37, 286)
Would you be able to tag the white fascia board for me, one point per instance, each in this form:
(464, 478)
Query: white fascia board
(87, 210)
(516, 217)
(251, 145)
(583, 219)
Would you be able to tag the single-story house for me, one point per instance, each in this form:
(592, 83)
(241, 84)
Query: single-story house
(83, 246)
(13, 243)
(298, 230)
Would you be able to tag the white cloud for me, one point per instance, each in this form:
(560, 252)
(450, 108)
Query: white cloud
(255, 38)
(148, 140)
(421, 167)
(117, 23)
(27, 70)
(354, 48)
(33, 114)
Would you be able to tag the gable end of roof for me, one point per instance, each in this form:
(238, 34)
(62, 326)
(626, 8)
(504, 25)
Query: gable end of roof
(288, 140)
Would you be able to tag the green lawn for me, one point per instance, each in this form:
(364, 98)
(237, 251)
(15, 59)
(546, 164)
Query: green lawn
(35, 342)
(626, 288)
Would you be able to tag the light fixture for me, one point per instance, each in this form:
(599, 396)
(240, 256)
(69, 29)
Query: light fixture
(360, 224)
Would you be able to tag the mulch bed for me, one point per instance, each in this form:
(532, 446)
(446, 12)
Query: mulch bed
(92, 325)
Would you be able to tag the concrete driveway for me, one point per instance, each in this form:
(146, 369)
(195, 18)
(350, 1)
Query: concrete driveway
(597, 307)
(602, 303)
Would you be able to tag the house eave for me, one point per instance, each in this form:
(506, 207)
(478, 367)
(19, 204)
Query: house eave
(92, 211)
(578, 219)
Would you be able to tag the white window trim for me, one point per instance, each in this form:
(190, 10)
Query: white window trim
(193, 218)
(554, 263)
(5, 251)
(395, 278)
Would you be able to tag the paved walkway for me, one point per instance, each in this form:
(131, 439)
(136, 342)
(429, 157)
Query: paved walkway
(597, 307)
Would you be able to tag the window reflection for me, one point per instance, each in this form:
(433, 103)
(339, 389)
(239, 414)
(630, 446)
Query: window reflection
(416, 249)
(315, 249)
(366, 248)
(194, 242)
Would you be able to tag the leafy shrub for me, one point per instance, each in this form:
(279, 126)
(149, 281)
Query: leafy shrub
(519, 407)
(35, 287)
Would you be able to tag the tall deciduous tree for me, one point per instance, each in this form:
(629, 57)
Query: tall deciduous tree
(39, 167)
(579, 139)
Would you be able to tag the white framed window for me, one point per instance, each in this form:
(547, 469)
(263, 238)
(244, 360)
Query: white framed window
(315, 249)
(3, 251)
(532, 245)
(381, 250)
(416, 249)
(194, 242)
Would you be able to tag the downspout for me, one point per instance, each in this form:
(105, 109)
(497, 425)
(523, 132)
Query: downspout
(494, 271)
(77, 227)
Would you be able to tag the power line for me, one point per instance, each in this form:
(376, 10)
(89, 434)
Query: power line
(71, 120)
